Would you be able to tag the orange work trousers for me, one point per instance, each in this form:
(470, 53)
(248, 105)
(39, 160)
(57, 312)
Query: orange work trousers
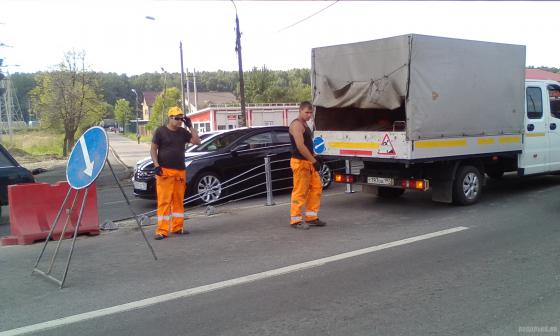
(306, 192)
(170, 188)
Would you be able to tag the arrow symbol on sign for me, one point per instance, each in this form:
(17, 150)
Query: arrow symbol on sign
(89, 164)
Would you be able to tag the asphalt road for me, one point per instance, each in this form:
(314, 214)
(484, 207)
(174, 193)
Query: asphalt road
(499, 274)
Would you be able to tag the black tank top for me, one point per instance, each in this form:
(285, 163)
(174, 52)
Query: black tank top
(307, 140)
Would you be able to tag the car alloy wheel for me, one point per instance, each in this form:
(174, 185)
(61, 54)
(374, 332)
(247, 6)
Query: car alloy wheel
(209, 187)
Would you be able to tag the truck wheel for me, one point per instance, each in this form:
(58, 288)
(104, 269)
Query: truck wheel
(467, 186)
(497, 174)
(384, 192)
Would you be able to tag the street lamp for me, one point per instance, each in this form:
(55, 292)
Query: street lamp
(137, 125)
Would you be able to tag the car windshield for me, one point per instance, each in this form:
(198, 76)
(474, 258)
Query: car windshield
(203, 138)
(218, 142)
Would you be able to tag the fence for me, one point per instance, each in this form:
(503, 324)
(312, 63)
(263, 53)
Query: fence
(263, 169)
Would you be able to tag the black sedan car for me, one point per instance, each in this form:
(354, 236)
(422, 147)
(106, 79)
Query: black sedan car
(11, 173)
(229, 164)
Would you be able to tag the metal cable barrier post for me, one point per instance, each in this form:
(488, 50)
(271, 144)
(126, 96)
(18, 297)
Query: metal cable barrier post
(348, 167)
(268, 174)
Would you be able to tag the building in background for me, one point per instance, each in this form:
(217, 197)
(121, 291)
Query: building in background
(224, 117)
(148, 103)
(541, 74)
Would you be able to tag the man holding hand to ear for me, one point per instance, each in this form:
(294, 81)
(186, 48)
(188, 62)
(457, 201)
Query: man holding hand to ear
(168, 154)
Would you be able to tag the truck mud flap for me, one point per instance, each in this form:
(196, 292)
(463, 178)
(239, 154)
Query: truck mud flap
(442, 191)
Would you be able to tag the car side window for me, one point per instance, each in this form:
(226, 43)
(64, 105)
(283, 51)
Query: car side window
(282, 137)
(221, 141)
(5, 161)
(534, 103)
(259, 140)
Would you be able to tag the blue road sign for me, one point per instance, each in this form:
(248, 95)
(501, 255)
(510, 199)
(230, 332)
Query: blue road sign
(87, 158)
(319, 145)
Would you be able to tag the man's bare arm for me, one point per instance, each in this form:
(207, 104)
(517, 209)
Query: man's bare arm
(153, 154)
(297, 130)
(195, 140)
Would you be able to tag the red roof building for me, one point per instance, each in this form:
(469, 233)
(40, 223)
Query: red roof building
(541, 74)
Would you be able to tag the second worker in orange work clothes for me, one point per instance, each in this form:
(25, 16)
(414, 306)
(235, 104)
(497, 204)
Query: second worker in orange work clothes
(307, 188)
(168, 154)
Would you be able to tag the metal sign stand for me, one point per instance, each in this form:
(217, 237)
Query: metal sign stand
(47, 274)
(132, 210)
(91, 172)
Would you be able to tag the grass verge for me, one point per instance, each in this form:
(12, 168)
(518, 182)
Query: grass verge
(34, 145)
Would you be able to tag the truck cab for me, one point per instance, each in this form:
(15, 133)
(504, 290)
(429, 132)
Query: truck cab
(541, 138)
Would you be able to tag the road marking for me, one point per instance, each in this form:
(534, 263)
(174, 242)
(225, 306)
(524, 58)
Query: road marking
(219, 285)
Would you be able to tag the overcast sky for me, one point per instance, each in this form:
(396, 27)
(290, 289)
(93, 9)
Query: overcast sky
(118, 38)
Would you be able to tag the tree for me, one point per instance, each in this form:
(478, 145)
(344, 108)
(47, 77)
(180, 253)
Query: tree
(123, 111)
(266, 86)
(258, 85)
(161, 106)
(68, 98)
(114, 86)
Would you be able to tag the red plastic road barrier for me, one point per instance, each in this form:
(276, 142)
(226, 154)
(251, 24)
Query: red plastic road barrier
(33, 208)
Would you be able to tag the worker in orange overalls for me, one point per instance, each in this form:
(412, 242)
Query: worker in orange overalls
(306, 167)
(168, 155)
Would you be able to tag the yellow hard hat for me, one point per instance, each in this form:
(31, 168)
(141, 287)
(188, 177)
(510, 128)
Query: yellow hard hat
(173, 111)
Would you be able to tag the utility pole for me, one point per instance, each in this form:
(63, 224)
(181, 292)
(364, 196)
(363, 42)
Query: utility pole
(182, 80)
(164, 112)
(188, 92)
(243, 119)
(195, 92)
(137, 122)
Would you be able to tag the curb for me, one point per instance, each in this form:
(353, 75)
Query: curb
(128, 169)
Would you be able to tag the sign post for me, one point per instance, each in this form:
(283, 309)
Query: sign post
(86, 161)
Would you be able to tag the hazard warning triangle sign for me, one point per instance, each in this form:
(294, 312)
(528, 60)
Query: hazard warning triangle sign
(386, 147)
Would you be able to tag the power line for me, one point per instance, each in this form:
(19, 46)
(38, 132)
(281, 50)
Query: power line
(308, 17)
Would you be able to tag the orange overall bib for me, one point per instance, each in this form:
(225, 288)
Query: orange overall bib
(306, 192)
(170, 188)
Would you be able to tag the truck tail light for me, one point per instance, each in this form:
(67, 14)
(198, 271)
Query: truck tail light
(344, 178)
(415, 184)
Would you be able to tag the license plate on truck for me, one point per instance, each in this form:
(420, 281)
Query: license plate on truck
(140, 185)
(380, 180)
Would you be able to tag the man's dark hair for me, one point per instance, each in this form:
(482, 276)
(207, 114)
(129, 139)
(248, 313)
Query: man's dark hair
(305, 104)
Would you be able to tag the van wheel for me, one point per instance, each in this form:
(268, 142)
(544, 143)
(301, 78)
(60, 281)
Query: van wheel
(467, 187)
(385, 192)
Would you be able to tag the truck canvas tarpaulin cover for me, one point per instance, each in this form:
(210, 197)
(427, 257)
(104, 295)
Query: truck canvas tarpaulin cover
(449, 87)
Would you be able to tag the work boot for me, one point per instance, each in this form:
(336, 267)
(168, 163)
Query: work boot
(182, 232)
(317, 222)
(159, 237)
(301, 226)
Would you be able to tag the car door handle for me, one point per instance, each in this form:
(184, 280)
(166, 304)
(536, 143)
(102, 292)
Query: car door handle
(530, 127)
(553, 126)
